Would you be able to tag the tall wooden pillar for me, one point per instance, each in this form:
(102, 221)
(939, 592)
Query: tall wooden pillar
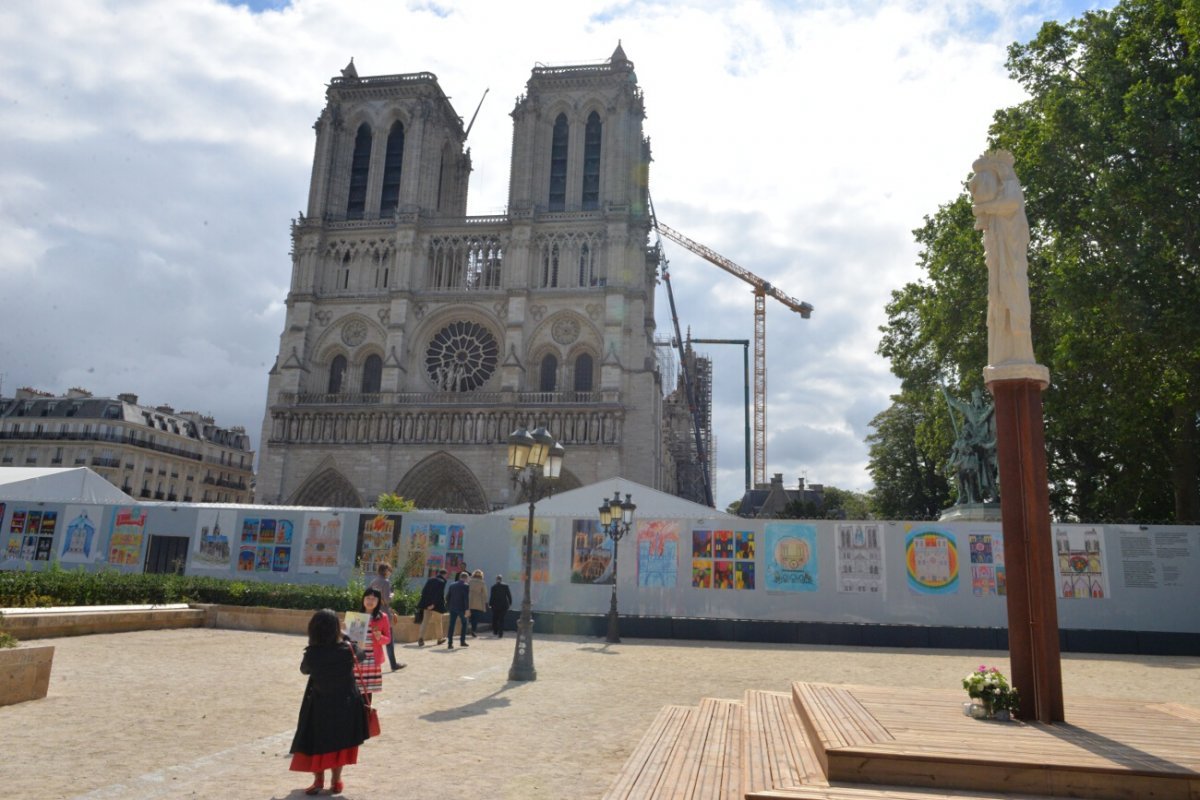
(1029, 557)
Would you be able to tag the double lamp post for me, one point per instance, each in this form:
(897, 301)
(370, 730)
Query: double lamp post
(533, 459)
(616, 518)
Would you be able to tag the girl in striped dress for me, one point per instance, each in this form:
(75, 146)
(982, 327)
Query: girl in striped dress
(379, 633)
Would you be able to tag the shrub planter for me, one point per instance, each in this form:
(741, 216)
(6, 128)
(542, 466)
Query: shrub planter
(25, 673)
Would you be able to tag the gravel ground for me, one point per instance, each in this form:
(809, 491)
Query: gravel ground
(210, 713)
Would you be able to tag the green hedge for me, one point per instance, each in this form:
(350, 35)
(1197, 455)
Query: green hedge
(55, 586)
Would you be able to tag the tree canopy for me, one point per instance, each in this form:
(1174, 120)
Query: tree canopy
(1108, 149)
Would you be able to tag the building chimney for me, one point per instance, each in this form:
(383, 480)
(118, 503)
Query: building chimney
(128, 397)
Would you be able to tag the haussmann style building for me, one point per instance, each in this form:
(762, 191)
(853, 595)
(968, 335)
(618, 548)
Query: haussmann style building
(418, 338)
(148, 452)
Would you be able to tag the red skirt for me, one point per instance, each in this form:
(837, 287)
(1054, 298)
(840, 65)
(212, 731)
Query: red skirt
(302, 762)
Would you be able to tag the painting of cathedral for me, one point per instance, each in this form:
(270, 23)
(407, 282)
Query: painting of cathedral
(1080, 558)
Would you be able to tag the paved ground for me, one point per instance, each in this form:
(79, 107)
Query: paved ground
(210, 713)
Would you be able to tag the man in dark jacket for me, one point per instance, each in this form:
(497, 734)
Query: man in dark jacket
(432, 605)
(501, 601)
(458, 600)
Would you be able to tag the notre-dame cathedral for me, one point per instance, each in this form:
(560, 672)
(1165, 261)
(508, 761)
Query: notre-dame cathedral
(418, 338)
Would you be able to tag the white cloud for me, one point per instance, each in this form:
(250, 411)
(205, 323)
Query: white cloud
(153, 154)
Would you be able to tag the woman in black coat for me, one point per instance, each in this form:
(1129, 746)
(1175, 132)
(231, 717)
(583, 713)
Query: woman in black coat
(332, 721)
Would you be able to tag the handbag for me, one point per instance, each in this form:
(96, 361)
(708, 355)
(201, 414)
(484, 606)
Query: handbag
(370, 715)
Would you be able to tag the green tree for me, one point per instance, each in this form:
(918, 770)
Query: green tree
(1109, 149)
(392, 503)
(1109, 152)
(907, 454)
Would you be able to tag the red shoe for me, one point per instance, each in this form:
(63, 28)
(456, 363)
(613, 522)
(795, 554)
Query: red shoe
(337, 787)
(316, 787)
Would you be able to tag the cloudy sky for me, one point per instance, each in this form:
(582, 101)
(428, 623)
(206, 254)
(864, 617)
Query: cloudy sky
(153, 153)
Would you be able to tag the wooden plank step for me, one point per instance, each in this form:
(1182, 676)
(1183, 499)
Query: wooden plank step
(713, 769)
(833, 719)
(880, 793)
(776, 752)
(643, 770)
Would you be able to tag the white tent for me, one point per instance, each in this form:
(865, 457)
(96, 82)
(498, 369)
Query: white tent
(584, 502)
(77, 485)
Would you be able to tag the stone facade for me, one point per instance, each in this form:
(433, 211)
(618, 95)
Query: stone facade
(418, 338)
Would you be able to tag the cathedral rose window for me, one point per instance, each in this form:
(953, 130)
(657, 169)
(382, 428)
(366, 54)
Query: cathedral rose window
(461, 357)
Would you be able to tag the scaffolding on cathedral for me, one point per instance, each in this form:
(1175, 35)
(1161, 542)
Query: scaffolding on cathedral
(678, 427)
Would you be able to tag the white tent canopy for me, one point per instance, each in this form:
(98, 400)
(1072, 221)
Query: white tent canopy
(76, 485)
(584, 503)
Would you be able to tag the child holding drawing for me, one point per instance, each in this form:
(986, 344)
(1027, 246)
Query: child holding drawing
(378, 633)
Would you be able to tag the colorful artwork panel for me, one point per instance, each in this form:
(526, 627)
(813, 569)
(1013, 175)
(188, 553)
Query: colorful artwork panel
(81, 535)
(716, 559)
(860, 558)
(125, 538)
(987, 564)
(591, 553)
(791, 553)
(931, 560)
(658, 553)
(378, 540)
(31, 534)
(322, 542)
(541, 550)
(213, 549)
(1079, 551)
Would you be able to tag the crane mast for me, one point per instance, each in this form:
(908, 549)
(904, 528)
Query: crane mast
(762, 289)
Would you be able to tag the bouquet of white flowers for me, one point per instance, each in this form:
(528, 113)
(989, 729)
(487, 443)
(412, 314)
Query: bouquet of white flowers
(989, 686)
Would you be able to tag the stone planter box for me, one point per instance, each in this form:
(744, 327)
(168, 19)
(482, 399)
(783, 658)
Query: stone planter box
(283, 620)
(49, 623)
(25, 673)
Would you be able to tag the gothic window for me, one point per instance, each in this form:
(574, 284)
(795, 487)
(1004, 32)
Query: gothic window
(372, 376)
(345, 272)
(591, 163)
(360, 167)
(548, 373)
(337, 372)
(461, 357)
(587, 268)
(391, 170)
(558, 165)
(550, 267)
(583, 373)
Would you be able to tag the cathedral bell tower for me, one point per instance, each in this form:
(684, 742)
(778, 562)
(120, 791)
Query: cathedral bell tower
(417, 338)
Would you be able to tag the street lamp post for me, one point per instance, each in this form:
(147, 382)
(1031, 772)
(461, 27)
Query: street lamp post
(616, 518)
(530, 456)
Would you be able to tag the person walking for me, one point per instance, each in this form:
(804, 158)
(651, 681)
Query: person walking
(382, 583)
(432, 605)
(331, 724)
(501, 601)
(458, 600)
(479, 599)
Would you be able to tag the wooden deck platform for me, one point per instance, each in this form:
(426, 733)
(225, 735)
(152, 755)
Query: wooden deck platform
(868, 743)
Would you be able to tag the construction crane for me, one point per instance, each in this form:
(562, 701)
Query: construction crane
(762, 289)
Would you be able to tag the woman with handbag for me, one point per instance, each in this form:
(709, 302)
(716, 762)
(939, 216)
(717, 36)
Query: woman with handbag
(332, 722)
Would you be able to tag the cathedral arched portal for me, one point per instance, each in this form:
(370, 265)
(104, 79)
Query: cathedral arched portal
(441, 481)
(327, 487)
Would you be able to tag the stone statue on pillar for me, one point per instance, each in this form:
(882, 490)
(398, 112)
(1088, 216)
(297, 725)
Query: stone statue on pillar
(999, 207)
(1016, 382)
